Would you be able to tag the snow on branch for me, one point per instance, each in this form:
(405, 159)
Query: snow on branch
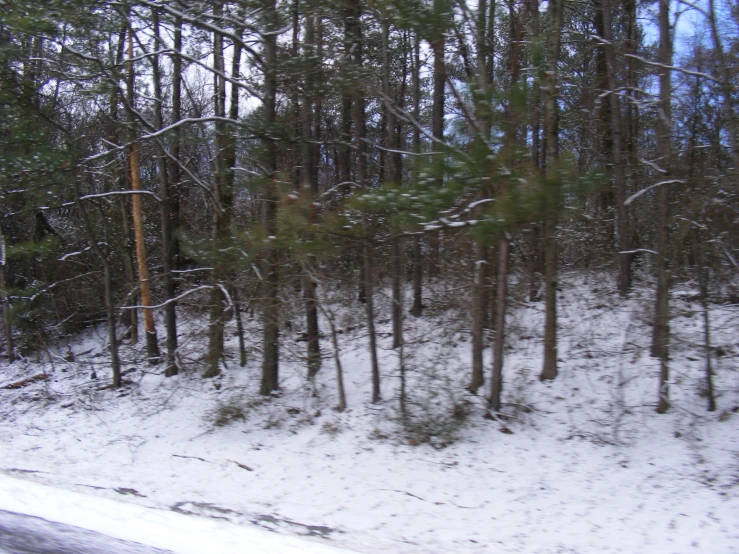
(634, 196)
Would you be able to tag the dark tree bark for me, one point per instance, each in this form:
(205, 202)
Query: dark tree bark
(417, 260)
(438, 47)
(496, 387)
(354, 12)
(102, 255)
(310, 189)
(270, 285)
(224, 161)
(7, 322)
(175, 141)
(129, 253)
(369, 309)
(170, 313)
(660, 336)
(480, 273)
(479, 317)
(222, 210)
(728, 89)
(617, 156)
(549, 367)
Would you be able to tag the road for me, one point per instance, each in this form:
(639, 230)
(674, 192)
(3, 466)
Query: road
(22, 534)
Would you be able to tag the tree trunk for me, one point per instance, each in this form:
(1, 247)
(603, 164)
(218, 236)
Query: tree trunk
(616, 154)
(176, 139)
(417, 260)
(239, 325)
(729, 91)
(479, 316)
(152, 346)
(369, 310)
(549, 366)
(115, 363)
(7, 323)
(170, 313)
(225, 160)
(699, 250)
(221, 212)
(661, 332)
(270, 364)
(129, 252)
(310, 189)
(341, 406)
(496, 381)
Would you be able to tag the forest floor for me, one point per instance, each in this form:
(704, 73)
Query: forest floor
(580, 465)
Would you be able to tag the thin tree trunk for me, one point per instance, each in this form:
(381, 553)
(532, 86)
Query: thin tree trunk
(170, 312)
(129, 271)
(549, 366)
(417, 260)
(270, 364)
(728, 90)
(660, 337)
(617, 158)
(115, 362)
(221, 211)
(343, 160)
(699, 251)
(310, 188)
(176, 139)
(479, 317)
(122, 167)
(396, 291)
(341, 406)
(482, 108)
(355, 33)
(152, 345)
(391, 172)
(369, 310)
(496, 381)
(239, 325)
(402, 396)
(225, 160)
(7, 323)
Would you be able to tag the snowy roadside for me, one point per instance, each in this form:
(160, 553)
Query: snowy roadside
(178, 533)
(588, 466)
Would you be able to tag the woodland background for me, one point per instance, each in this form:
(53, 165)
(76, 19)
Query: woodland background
(252, 159)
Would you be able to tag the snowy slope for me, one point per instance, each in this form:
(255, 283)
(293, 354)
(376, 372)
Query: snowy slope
(583, 465)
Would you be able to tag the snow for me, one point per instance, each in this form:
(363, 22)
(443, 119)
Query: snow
(582, 464)
(168, 530)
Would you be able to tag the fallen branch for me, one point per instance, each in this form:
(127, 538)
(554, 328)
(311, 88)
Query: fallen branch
(25, 382)
(242, 466)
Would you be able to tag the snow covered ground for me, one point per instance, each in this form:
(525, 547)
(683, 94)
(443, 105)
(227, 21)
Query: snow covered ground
(583, 464)
(174, 532)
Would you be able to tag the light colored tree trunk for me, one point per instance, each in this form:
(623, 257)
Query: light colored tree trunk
(152, 345)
